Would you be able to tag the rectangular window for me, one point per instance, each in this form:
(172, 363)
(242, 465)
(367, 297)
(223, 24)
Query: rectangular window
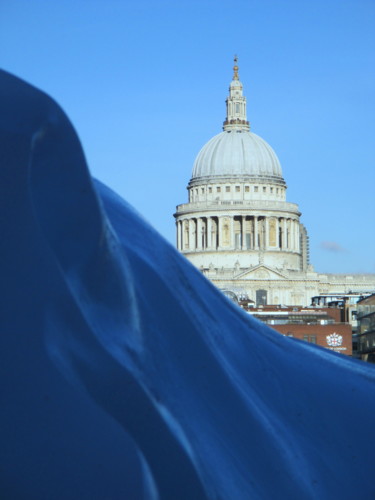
(247, 189)
(210, 189)
(218, 189)
(264, 189)
(237, 189)
(310, 338)
(248, 241)
(261, 298)
(271, 190)
(202, 190)
(227, 189)
(237, 240)
(255, 189)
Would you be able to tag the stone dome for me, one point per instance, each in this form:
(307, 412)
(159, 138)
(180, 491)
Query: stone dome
(237, 153)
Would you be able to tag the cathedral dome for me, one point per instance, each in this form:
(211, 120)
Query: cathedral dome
(237, 153)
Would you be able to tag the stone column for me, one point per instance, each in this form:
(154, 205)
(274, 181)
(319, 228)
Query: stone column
(291, 235)
(256, 235)
(179, 235)
(243, 232)
(266, 233)
(191, 234)
(209, 233)
(204, 233)
(219, 232)
(232, 242)
(199, 233)
(297, 236)
(277, 232)
(185, 235)
(284, 233)
(215, 239)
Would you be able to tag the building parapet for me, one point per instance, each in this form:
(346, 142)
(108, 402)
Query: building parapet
(275, 206)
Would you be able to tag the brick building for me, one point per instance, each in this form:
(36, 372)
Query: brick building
(336, 337)
(321, 326)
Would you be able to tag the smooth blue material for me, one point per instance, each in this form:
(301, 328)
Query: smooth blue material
(126, 375)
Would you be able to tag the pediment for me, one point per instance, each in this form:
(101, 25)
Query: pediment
(261, 272)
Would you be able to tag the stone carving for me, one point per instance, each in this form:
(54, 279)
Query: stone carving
(272, 232)
(226, 232)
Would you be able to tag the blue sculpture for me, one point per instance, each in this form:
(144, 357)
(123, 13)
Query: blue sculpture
(126, 374)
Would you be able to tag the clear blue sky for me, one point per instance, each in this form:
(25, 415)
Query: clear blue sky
(145, 83)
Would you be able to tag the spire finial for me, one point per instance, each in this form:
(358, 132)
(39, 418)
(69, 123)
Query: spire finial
(235, 68)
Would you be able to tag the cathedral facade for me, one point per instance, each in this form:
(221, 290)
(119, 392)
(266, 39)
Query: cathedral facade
(238, 227)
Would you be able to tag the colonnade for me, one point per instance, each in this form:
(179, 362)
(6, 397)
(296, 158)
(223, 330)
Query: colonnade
(238, 233)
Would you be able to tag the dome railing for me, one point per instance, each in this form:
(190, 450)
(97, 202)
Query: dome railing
(282, 206)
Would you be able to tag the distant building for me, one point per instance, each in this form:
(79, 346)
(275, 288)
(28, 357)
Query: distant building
(366, 328)
(320, 326)
(238, 227)
(347, 301)
(336, 337)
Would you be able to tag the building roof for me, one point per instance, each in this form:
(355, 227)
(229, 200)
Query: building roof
(237, 153)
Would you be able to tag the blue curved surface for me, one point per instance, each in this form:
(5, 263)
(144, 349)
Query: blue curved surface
(126, 374)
